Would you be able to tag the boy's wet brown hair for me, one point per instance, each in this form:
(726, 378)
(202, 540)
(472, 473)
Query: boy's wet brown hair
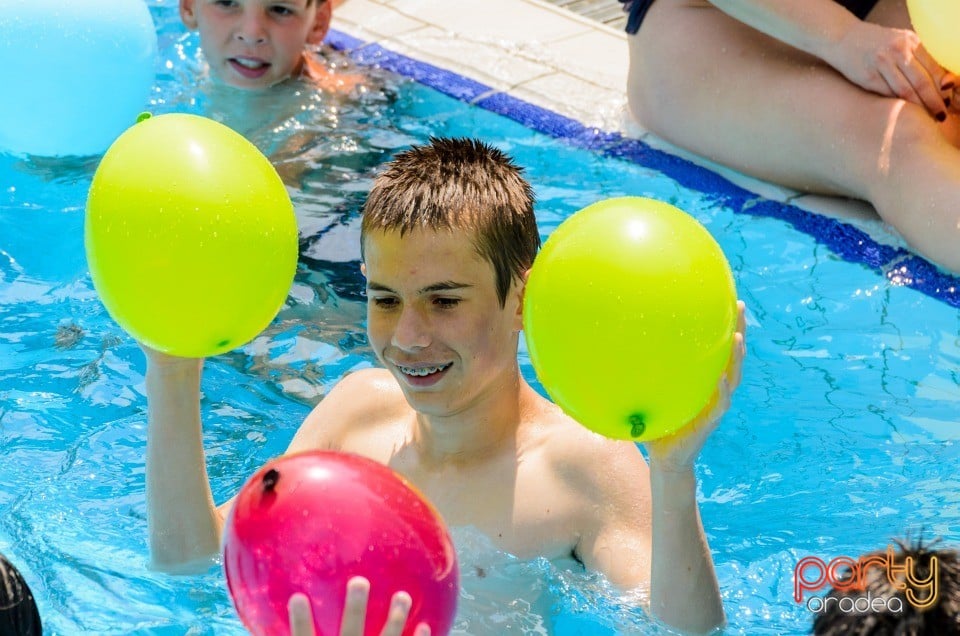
(459, 184)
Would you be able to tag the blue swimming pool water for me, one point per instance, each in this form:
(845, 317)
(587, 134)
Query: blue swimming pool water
(843, 434)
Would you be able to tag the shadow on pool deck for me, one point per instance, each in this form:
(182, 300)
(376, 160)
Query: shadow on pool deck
(608, 12)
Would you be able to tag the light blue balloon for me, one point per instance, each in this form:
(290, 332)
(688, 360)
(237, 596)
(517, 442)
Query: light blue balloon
(74, 74)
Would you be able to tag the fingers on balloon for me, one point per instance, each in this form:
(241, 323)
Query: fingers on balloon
(301, 618)
(358, 588)
(355, 608)
(735, 372)
(399, 611)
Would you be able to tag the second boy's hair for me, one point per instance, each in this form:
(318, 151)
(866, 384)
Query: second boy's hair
(938, 620)
(459, 184)
(18, 610)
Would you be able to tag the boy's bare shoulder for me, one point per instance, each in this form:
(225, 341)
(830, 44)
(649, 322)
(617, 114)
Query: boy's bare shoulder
(364, 380)
(365, 395)
(361, 400)
(588, 461)
(570, 441)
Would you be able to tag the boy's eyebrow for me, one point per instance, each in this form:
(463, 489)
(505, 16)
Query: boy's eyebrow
(447, 285)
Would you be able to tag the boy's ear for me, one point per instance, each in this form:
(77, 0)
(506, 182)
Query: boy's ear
(363, 269)
(187, 14)
(321, 23)
(521, 290)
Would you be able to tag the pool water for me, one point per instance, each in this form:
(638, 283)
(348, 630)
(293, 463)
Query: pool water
(842, 436)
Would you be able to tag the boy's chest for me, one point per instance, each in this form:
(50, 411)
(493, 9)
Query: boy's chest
(523, 511)
(522, 505)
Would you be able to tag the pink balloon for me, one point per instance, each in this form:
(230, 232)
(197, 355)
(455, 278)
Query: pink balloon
(311, 521)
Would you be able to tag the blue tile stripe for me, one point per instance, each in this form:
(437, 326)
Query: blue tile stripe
(897, 265)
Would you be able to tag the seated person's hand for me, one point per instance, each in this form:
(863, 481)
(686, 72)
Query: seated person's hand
(354, 613)
(680, 450)
(893, 62)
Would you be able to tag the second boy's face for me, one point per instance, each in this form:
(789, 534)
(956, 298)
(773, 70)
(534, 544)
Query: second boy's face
(255, 44)
(435, 322)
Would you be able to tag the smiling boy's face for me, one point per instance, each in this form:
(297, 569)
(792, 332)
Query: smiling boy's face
(254, 44)
(435, 321)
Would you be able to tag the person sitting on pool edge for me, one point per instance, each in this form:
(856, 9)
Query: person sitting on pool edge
(255, 44)
(448, 237)
(901, 619)
(833, 97)
(18, 611)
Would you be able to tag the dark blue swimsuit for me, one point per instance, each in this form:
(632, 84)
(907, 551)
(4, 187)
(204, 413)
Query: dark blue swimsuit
(638, 9)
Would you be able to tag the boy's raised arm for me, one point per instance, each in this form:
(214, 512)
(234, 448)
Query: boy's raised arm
(684, 592)
(183, 522)
(653, 540)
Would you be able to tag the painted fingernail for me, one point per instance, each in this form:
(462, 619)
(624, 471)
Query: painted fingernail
(946, 85)
(941, 116)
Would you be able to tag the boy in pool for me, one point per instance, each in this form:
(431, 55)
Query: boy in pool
(448, 237)
(255, 44)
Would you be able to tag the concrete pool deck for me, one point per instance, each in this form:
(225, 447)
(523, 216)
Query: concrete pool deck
(554, 58)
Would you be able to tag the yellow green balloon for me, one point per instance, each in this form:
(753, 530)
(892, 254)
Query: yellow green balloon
(190, 235)
(935, 21)
(629, 315)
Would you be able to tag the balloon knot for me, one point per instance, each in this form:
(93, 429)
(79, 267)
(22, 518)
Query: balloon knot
(637, 425)
(270, 479)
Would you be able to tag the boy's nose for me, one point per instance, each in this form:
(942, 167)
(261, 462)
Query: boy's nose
(251, 38)
(410, 332)
(252, 32)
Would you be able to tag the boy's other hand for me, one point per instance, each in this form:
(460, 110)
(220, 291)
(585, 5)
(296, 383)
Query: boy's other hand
(679, 451)
(354, 613)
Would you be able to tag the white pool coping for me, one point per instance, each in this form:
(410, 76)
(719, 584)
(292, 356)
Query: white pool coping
(555, 59)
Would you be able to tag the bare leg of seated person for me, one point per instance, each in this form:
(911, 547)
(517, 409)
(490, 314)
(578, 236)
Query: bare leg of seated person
(708, 83)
